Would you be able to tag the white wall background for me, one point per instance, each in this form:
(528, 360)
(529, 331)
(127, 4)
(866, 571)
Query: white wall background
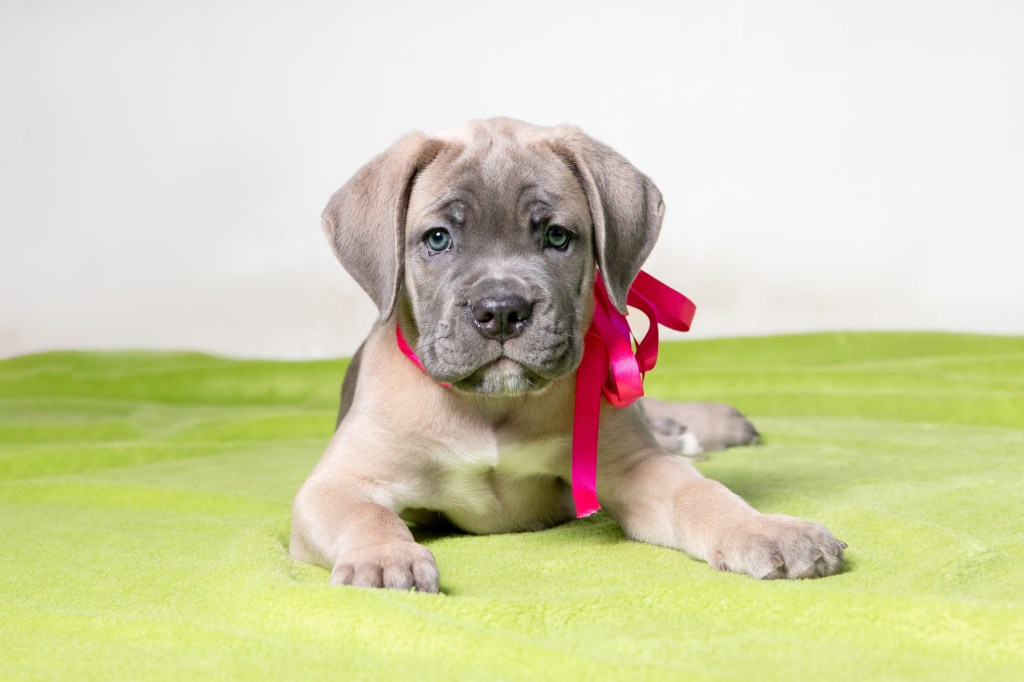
(826, 165)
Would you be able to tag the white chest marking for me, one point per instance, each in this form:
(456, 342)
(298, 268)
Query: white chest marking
(469, 472)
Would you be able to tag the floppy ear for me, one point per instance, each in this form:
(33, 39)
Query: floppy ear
(625, 207)
(365, 219)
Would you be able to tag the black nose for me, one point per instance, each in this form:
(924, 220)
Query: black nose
(501, 317)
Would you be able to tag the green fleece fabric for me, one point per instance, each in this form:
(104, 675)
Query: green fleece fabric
(145, 501)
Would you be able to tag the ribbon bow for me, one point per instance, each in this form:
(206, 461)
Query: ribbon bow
(609, 367)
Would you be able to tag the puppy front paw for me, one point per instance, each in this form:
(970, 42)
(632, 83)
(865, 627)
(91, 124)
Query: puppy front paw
(772, 546)
(393, 565)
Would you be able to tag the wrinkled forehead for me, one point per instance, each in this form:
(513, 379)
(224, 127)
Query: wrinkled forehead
(497, 174)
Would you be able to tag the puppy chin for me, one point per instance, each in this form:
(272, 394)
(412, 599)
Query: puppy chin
(503, 377)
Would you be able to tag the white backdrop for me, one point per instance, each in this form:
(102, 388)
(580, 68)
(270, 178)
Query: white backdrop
(825, 165)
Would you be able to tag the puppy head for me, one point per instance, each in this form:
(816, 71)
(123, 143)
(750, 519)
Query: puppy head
(488, 235)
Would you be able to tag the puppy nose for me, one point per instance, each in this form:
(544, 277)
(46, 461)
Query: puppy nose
(501, 317)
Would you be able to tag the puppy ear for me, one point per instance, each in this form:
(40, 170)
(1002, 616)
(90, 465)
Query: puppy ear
(365, 220)
(625, 207)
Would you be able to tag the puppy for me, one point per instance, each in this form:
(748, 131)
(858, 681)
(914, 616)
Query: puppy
(482, 244)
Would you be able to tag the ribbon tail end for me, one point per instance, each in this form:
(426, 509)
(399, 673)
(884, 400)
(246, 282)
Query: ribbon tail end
(585, 510)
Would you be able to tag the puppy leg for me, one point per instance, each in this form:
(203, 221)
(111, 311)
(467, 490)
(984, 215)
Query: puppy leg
(712, 426)
(364, 543)
(663, 500)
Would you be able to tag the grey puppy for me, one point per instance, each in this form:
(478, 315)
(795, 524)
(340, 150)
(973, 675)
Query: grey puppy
(482, 243)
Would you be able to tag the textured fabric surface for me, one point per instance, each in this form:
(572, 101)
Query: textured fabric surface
(145, 500)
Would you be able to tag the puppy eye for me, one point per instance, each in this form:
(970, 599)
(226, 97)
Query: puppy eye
(438, 239)
(557, 237)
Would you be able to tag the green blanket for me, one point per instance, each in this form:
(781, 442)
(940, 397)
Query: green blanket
(145, 498)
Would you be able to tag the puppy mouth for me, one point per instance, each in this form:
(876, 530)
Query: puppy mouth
(502, 377)
(520, 367)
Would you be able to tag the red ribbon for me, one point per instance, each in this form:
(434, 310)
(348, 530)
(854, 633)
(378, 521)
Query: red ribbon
(611, 367)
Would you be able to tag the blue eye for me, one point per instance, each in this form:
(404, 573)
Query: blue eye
(557, 237)
(438, 239)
